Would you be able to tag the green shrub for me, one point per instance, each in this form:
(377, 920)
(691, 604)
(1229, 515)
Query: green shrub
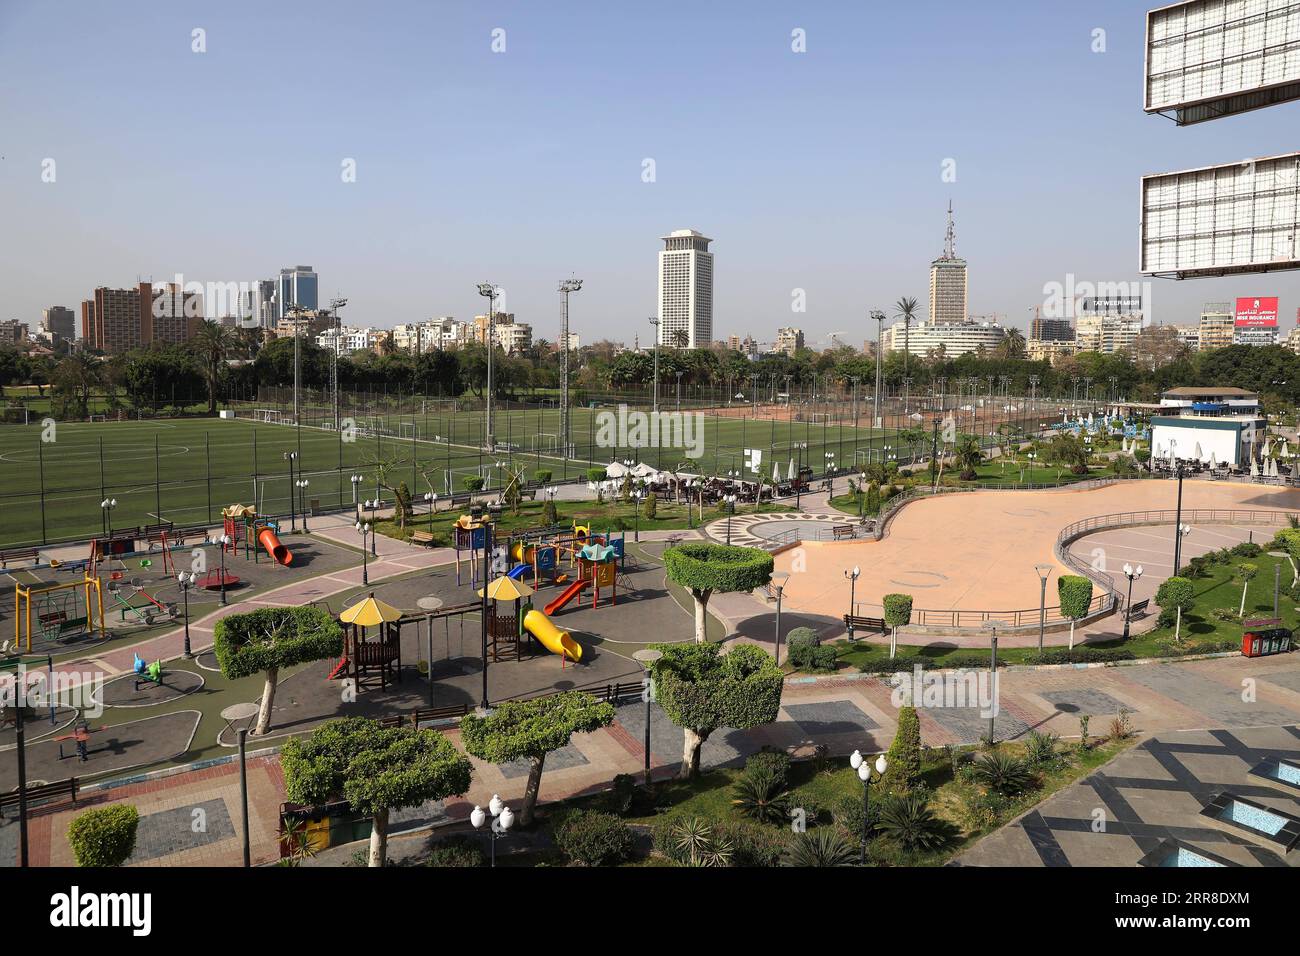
(761, 795)
(1079, 655)
(821, 658)
(1247, 549)
(104, 836)
(910, 822)
(1174, 593)
(848, 815)
(590, 838)
(550, 515)
(650, 508)
(775, 762)
(752, 844)
(898, 609)
(983, 811)
(542, 475)
(904, 755)
(801, 636)
(456, 852)
(1004, 773)
(1041, 747)
(1075, 594)
(472, 482)
(823, 847)
(595, 474)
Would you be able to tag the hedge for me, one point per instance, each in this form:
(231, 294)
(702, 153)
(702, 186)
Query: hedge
(1075, 594)
(104, 836)
(590, 838)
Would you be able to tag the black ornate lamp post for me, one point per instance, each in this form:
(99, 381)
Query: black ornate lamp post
(863, 766)
(291, 457)
(1044, 572)
(503, 818)
(186, 580)
(363, 530)
(730, 500)
(646, 657)
(853, 584)
(1132, 574)
(224, 541)
(301, 484)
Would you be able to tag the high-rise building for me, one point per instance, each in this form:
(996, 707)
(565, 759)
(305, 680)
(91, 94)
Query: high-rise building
(296, 286)
(789, 340)
(1218, 325)
(685, 290)
(1050, 330)
(59, 321)
(260, 303)
(13, 332)
(949, 339)
(948, 304)
(118, 320)
(1106, 332)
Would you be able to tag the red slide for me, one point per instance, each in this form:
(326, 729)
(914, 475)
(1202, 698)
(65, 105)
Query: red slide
(274, 548)
(566, 596)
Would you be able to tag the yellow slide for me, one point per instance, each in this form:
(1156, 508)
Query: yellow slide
(553, 639)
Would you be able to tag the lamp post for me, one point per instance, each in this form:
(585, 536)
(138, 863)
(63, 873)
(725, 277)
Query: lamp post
(431, 499)
(647, 656)
(108, 504)
(356, 499)
(853, 584)
(242, 714)
(863, 767)
(730, 500)
(637, 497)
(830, 474)
(503, 818)
(1044, 572)
(371, 506)
(779, 579)
(862, 496)
(566, 286)
(364, 529)
(301, 484)
(1178, 515)
(1183, 531)
(1132, 574)
(489, 292)
(880, 348)
(798, 478)
(291, 457)
(679, 391)
(993, 677)
(224, 541)
(655, 322)
(186, 580)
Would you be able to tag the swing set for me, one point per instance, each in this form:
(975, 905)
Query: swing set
(56, 613)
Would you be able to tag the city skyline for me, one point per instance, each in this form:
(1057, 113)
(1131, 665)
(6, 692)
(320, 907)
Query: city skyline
(846, 216)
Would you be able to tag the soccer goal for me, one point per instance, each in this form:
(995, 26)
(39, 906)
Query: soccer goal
(269, 416)
(408, 430)
(453, 479)
(14, 415)
(546, 443)
(98, 418)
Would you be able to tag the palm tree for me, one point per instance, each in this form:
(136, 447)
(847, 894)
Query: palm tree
(905, 309)
(212, 343)
(680, 338)
(76, 376)
(761, 795)
(969, 455)
(1013, 345)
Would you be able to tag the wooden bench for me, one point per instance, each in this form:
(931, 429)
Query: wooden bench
(1138, 607)
(41, 794)
(19, 554)
(855, 622)
(841, 531)
(423, 538)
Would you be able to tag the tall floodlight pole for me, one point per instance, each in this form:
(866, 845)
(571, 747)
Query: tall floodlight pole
(489, 291)
(566, 286)
(655, 322)
(296, 312)
(335, 305)
(880, 348)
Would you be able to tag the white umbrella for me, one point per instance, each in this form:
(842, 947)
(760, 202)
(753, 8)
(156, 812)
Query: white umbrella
(1272, 468)
(776, 471)
(1268, 445)
(1254, 469)
(616, 469)
(1286, 449)
(1213, 463)
(790, 473)
(1198, 451)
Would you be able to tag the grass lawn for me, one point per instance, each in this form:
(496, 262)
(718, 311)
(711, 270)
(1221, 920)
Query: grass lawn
(831, 795)
(614, 516)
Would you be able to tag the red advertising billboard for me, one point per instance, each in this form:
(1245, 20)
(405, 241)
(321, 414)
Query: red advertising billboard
(1257, 313)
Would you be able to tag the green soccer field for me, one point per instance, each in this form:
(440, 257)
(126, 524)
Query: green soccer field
(187, 470)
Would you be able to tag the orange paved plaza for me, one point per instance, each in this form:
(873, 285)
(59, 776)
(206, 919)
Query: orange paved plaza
(977, 550)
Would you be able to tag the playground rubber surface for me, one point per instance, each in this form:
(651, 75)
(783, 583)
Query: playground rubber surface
(131, 691)
(137, 743)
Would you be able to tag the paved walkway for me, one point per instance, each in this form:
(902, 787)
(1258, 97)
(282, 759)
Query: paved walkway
(842, 714)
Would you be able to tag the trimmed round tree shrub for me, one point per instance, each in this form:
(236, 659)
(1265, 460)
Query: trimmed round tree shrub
(595, 474)
(1175, 597)
(472, 482)
(1075, 595)
(542, 475)
(702, 689)
(265, 640)
(705, 568)
(104, 836)
(904, 755)
(529, 730)
(898, 611)
(376, 769)
(651, 506)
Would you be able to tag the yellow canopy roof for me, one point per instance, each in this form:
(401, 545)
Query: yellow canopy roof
(369, 612)
(507, 589)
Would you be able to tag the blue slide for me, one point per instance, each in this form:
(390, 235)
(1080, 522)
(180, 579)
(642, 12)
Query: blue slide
(518, 571)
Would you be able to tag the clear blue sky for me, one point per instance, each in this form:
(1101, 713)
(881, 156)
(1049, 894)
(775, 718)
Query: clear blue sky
(818, 171)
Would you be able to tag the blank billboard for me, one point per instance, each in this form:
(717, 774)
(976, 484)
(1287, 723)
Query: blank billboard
(1211, 58)
(1221, 220)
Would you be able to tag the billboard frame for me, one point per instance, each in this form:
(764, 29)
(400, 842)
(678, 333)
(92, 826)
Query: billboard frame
(1217, 106)
(1249, 268)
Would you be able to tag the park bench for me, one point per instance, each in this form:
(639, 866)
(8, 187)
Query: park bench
(19, 554)
(1138, 607)
(841, 531)
(41, 794)
(424, 538)
(856, 622)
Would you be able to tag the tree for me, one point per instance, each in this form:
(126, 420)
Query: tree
(898, 612)
(1074, 592)
(705, 568)
(212, 342)
(904, 756)
(702, 689)
(1245, 572)
(529, 730)
(265, 640)
(905, 309)
(104, 836)
(376, 769)
(968, 454)
(1175, 596)
(74, 378)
